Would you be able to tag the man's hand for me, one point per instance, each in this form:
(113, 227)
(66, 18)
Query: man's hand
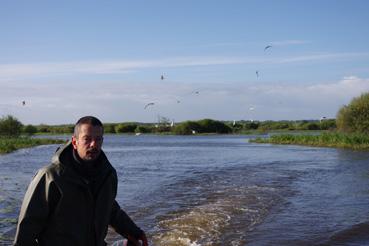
(135, 242)
(143, 238)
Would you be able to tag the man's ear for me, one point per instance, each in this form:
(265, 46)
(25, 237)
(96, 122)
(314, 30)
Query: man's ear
(74, 142)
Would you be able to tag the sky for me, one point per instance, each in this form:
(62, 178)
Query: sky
(67, 59)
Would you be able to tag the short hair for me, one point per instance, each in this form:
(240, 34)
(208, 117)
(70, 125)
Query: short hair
(90, 120)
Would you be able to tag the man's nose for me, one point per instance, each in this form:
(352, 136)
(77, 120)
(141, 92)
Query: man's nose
(93, 143)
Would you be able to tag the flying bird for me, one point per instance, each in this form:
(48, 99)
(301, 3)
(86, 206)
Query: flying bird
(257, 74)
(24, 103)
(149, 104)
(267, 47)
(162, 77)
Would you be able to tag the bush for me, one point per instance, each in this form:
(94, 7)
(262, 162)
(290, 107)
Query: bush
(109, 128)
(125, 128)
(43, 128)
(354, 118)
(251, 125)
(143, 129)
(187, 128)
(202, 126)
(10, 126)
(329, 124)
(30, 130)
(213, 126)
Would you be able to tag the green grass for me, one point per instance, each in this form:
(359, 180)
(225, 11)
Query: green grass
(8, 145)
(336, 140)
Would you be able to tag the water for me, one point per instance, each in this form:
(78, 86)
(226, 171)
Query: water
(220, 190)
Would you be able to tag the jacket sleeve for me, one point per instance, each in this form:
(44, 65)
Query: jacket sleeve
(123, 224)
(34, 211)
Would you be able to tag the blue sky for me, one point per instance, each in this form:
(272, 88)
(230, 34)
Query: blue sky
(67, 59)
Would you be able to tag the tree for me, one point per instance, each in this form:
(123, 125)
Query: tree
(187, 128)
(125, 128)
(214, 126)
(30, 130)
(10, 126)
(143, 129)
(354, 118)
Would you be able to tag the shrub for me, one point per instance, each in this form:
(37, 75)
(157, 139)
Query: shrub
(213, 126)
(328, 124)
(109, 128)
(43, 128)
(143, 129)
(251, 125)
(29, 130)
(354, 118)
(125, 128)
(187, 127)
(10, 126)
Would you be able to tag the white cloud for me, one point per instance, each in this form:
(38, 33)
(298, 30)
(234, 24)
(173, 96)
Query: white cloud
(123, 101)
(289, 42)
(15, 72)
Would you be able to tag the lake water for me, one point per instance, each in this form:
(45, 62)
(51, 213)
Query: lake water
(220, 190)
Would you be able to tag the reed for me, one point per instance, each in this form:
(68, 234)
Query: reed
(338, 140)
(8, 145)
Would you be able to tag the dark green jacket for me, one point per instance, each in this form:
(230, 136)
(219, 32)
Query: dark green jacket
(59, 207)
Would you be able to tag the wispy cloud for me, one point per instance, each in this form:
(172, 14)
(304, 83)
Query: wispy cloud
(289, 42)
(32, 70)
(220, 101)
(321, 57)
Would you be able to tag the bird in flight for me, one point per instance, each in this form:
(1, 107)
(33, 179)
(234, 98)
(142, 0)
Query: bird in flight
(162, 77)
(257, 74)
(149, 104)
(267, 47)
(24, 103)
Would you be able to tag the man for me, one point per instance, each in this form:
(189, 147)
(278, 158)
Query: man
(72, 201)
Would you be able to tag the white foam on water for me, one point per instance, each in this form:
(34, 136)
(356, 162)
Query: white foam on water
(205, 224)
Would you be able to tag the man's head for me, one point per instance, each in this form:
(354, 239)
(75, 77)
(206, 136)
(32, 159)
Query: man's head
(88, 138)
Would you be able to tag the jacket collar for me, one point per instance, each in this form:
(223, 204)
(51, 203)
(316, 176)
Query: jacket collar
(63, 158)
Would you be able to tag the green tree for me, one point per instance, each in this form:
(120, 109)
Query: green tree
(354, 118)
(143, 129)
(30, 130)
(187, 128)
(213, 126)
(251, 125)
(125, 128)
(10, 126)
(328, 124)
(109, 128)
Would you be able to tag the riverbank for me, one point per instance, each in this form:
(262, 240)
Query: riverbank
(8, 145)
(334, 140)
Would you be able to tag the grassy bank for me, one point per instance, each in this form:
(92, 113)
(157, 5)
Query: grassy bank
(8, 145)
(336, 140)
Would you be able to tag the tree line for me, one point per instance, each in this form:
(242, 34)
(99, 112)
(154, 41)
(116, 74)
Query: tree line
(12, 127)
(351, 118)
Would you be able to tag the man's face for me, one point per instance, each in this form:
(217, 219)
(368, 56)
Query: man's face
(88, 142)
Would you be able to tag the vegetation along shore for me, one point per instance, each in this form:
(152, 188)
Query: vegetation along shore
(13, 136)
(12, 144)
(326, 139)
(350, 129)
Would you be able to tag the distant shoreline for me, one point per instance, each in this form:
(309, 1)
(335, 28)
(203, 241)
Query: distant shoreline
(8, 145)
(331, 140)
(317, 139)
